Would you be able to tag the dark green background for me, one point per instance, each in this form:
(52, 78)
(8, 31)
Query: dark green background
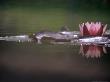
(28, 16)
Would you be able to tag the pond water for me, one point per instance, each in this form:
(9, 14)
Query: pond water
(53, 62)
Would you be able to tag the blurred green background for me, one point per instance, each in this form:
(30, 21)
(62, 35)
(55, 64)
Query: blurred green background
(29, 16)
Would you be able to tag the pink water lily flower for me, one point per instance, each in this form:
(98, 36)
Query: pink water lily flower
(92, 29)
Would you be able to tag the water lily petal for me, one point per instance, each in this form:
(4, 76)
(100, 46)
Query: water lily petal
(92, 29)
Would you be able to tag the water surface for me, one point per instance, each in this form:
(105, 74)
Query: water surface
(52, 62)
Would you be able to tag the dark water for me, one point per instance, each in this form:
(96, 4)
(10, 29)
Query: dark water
(48, 63)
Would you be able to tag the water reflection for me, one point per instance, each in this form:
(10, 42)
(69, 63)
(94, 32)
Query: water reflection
(93, 47)
(25, 60)
(93, 51)
(25, 57)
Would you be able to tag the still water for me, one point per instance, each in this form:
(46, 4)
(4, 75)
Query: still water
(53, 62)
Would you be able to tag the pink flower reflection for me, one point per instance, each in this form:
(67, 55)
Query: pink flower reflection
(92, 51)
(92, 29)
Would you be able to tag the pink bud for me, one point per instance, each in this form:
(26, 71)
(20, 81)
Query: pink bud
(92, 29)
